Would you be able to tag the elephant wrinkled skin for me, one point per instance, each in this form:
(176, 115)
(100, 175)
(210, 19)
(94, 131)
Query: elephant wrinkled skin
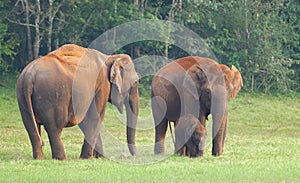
(189, 136)
(197, 86)
(71, 86)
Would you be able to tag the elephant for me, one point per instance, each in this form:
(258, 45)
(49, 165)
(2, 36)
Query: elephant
(71, 86)
(189, 136)
(198, 86)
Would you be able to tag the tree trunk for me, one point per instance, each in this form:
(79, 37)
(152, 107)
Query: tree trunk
(143, 6)
(50, 18)
(28, 32)
(37, 40)
(3, 85)
(59, 28)
(166, 51)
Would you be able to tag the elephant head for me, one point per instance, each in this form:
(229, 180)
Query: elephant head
(225, 85)
(190, 136)
(124, 90)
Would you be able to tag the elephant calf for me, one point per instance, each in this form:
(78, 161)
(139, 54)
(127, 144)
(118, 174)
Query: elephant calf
(190, 136)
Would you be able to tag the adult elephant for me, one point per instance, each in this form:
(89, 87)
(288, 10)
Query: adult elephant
(71, 86)
(197, 86)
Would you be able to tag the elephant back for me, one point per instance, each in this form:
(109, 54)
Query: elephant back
(68, 54)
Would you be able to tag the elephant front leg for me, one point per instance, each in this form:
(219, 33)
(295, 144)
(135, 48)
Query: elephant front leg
(86, 150)
(98, 151)
(218, 140)
(202, 117)
(182, 151)
(91, 129)
(217, 148)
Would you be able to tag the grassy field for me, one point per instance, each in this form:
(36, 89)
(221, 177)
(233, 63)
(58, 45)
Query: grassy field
(262, 145)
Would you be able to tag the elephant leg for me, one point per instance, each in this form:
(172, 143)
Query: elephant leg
(202, 118)
(86, 150)
(218, 140)
(57, 148)
(91, 129)
(182, 151)
(225, 131)
(160, 134)
(98, 151)
(34, 136)
(180, 143)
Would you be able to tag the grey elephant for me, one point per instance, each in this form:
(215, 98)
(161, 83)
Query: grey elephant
(71, 86)
(198, 86)
(189, 136)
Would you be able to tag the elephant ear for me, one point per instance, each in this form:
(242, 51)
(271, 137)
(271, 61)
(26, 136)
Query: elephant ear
(228, 77)
(115, 73)
(237, 81)
(122, 72)
(194, 80)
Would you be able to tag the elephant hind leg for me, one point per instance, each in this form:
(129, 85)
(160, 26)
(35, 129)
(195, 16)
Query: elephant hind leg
(160, 134)
(34, 135)
(56, 144)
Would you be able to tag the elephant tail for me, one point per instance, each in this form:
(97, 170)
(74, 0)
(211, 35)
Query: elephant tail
(25, 91)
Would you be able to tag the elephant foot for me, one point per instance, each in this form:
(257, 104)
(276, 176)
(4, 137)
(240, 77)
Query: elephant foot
(159, 149)
(86, 151)
(86, 156)
(59, 156)
(38, 155)
(217, 152)
(201, 153)
(98, 154)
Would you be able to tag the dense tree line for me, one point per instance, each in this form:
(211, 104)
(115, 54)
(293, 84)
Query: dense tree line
(260, 37)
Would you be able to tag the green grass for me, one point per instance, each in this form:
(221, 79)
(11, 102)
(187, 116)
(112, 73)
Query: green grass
(262, 145)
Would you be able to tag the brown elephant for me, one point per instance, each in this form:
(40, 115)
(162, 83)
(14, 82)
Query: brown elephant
(71, 86)
(198, 86)
(189, 136)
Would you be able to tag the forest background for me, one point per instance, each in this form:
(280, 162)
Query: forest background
(260, 37)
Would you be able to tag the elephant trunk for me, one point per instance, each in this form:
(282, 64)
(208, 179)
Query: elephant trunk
(132, 110)
(219, 111)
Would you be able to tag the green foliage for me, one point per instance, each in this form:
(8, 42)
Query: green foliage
(261, 38)
(252, 35)
(7, 48)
